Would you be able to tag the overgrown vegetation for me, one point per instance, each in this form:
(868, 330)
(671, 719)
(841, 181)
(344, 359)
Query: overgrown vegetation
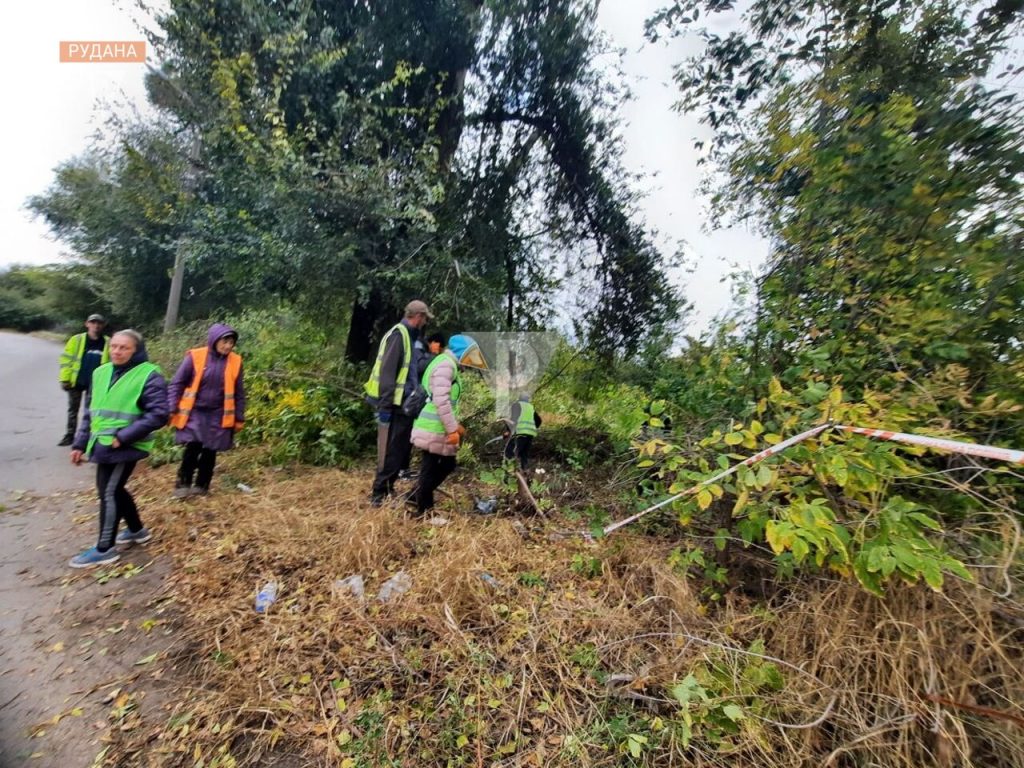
(848, 602)
(303, 401)
(36, 298)
(515, 644)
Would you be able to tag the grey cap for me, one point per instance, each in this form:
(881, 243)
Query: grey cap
(417, 307)
(95, 318)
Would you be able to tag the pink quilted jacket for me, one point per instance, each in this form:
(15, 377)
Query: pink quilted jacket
(441, 379)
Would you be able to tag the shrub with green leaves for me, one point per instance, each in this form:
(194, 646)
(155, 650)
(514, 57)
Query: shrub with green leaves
(851, 505)
(303, 401)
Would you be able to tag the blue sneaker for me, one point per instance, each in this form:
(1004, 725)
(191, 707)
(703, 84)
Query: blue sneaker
(93, 557)
(128, 538)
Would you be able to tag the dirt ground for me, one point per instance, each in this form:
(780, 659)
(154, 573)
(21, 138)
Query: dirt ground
(72, 643)
(76, 647)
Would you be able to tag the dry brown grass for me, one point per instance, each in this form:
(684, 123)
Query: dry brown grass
(556, 665)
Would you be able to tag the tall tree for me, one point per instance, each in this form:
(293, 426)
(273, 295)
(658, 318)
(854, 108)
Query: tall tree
(352, 156)
(873, 145)
(411, 147)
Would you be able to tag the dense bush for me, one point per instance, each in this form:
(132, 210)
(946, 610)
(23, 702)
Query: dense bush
(303, 401)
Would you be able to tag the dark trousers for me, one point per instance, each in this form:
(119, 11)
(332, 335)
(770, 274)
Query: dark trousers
(398, 447)
(197, 463)
(433, 471)
(74, 405)
(519, 447)
(116, 504)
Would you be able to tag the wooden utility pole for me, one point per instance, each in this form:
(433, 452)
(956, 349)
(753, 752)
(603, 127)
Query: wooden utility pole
(178, 276)
(174, 298)
(189, 183)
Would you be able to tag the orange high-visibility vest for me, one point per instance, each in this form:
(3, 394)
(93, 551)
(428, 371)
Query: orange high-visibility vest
(188, 398)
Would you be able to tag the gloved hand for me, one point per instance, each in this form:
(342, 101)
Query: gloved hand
(66, 386)
(453, 438)
(384, 417)
(461, 430)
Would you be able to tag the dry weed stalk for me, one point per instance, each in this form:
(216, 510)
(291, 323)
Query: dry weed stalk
(545, 664)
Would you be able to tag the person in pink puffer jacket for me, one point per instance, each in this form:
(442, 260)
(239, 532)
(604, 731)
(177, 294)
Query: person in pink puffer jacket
(437, 431)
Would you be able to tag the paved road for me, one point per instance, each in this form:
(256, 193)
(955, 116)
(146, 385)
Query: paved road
(33, 409)
(43, 521)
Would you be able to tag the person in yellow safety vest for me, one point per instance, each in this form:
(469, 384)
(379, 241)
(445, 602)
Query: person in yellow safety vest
(438, 430)
(522, 429)
(391, 381)
(125, 404)
(206, 398)
(83, 354)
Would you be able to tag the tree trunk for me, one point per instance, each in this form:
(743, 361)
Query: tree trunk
(359, 348)
(510, 289)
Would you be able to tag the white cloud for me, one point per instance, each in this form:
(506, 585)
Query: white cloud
(659, 142)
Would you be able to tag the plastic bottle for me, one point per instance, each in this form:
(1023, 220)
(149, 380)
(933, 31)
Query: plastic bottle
(266, 596)
(244, 488)
(486, 506)
(489, 580)
(398, 584)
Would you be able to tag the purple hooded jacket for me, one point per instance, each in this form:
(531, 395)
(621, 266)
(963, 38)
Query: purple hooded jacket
(204, 422)
(152, 401)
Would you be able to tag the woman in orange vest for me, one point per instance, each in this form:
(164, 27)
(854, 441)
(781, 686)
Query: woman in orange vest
(207, 402)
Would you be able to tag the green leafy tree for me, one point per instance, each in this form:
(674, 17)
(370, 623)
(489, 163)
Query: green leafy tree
(872, 144)
(358, 155)
(869, 143)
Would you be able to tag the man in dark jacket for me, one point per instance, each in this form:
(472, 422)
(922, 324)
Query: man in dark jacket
(126, 403)
(83, 354)
(391, 381)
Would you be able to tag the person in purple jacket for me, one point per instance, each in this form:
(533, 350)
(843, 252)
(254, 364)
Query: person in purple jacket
(126, 403)
(206, 398)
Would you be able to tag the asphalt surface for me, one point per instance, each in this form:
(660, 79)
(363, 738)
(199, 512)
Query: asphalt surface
(66, 640)
(33, 412)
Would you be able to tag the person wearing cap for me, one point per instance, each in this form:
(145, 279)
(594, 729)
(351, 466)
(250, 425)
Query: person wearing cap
(206, 399)
(391, 381)
(522, 428)
(438, 431)
(83, 354)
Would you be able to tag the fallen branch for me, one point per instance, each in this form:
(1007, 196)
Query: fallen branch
(525, 495)
(998, 714)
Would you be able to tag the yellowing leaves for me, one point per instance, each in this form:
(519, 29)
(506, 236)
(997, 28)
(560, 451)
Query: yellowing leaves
(704, 498)
(741, 503)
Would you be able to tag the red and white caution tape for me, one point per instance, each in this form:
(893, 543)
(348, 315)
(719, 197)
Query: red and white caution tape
(969, 449)
(725, 473)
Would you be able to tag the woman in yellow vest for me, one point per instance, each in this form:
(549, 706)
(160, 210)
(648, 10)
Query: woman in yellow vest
(126, 403)
(438, 431)
(206, 398)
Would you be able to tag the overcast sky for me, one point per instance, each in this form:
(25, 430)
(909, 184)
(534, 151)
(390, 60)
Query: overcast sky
(54, 109)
